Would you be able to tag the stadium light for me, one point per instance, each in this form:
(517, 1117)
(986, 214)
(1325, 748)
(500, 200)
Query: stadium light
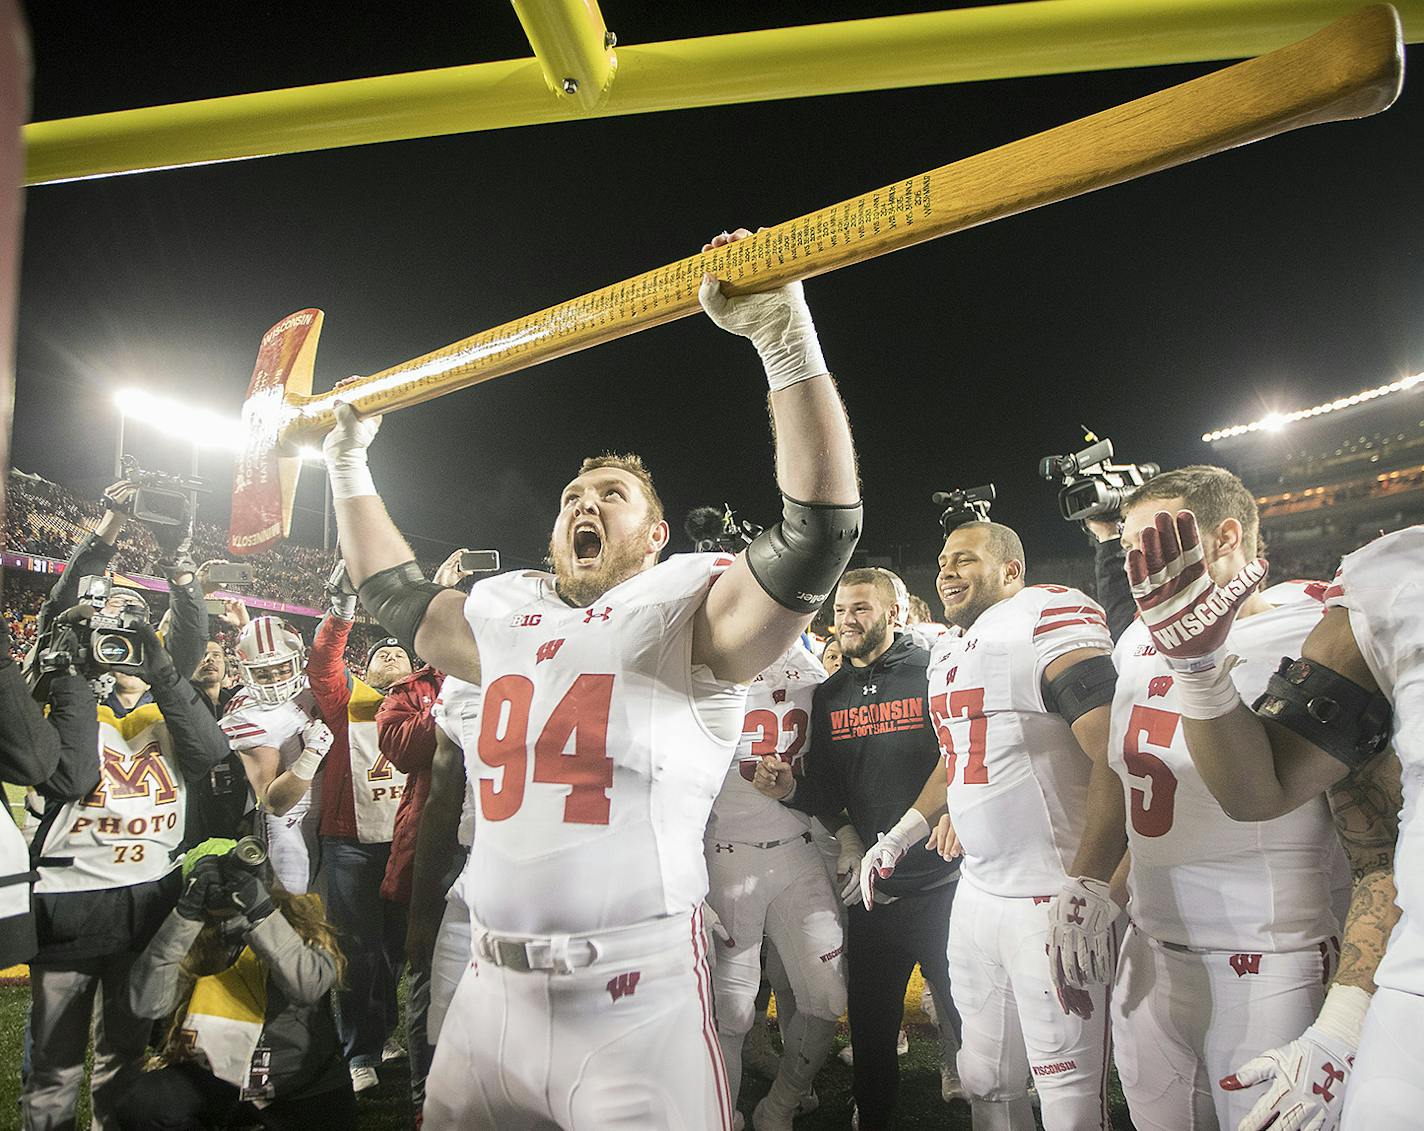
(1275, 421)
(196, 426)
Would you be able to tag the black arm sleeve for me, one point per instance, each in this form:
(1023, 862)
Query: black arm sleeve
(74, 717)
(198, 742)
(1114, 595)
(188, 629)
(29, 746)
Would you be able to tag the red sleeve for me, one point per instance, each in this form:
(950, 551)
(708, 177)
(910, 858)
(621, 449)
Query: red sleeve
(405, 728)
(326, 670)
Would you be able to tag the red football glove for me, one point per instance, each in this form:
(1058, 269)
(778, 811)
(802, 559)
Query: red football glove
(1186, 612)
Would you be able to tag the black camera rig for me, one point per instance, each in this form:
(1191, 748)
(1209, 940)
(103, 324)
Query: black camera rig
(1094, 486)
(162, 499)
(966, 504)
(713, 530)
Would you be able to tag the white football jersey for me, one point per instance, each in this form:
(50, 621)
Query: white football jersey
(1017, 778)
(601, 749)
(1385, 597)
(778, 721)
(129, 829)
(1199, 878)
(457, 713)
(291, 836)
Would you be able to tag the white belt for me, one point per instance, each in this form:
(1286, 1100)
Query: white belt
(563, 954)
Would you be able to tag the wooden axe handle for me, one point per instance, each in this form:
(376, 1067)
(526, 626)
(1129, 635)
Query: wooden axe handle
(1350, 69)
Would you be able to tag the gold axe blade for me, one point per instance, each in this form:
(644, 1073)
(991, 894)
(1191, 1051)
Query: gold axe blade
(1351, 69)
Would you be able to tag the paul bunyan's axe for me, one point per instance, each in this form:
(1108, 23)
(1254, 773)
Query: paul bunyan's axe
(1351, 69)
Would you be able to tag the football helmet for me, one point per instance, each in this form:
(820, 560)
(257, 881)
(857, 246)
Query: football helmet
(271, 656)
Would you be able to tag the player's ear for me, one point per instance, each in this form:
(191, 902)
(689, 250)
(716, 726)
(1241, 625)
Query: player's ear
(1228, 536)
(658, 537)
(1013, 571)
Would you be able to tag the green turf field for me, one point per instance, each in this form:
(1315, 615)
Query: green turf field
(388, 1107)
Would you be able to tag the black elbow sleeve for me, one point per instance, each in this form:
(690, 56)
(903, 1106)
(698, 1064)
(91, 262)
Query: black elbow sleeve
(799, 560)
(398, 597)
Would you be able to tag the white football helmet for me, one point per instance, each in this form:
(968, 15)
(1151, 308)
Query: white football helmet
(272, 659)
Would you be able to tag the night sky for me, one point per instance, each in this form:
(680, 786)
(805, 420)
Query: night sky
(1275, 276)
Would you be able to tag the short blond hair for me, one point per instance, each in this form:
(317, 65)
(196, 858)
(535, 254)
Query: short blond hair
(633, 464)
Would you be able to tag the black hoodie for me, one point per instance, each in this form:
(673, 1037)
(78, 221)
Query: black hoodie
(873, 746)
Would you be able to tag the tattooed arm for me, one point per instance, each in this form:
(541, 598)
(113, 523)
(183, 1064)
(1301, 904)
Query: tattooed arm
(1366, 808)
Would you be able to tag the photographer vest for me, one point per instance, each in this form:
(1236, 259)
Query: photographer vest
(376, 785)
(129, 829)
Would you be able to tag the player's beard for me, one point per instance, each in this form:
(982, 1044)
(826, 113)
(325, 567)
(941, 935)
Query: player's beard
(981, 599)
(616, 564)
(870, 641)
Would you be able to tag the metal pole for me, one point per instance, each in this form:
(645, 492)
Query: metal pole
(327, 504)
(119, 449)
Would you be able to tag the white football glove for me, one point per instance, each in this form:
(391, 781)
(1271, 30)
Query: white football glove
(316, 744)
(848, 862)
(1305, 1080)
(344, 449)
(880, 861)
(1080, 947)
(777, 322)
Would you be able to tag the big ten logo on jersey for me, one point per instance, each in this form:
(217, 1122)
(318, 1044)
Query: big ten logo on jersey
(525, 620)
(123, 776)
(571, 749)
(773, 733)
(382, 770)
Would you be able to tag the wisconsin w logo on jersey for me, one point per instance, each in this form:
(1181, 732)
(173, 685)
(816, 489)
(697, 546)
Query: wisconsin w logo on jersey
(623, 985)
(123, 775)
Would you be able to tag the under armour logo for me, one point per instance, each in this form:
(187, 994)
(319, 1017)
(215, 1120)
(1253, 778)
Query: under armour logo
(589, 614)
(623, 985)
(869, 689)
(1077, 903)
(548, 650)
(1333, 1076)
(721, 848)
(1245, 964)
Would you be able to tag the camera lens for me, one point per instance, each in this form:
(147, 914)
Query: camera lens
(111, 649)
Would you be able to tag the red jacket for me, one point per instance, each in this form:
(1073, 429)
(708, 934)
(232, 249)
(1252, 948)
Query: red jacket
(331, 686)
(406, 730)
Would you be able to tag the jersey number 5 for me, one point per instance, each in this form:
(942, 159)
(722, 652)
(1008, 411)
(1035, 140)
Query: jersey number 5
(1154, 802)
(967, 703)
(581, 716)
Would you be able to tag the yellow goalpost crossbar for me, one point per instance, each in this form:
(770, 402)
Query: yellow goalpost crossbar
(579, 72)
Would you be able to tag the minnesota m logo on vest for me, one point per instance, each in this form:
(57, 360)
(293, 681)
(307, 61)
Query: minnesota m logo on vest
(124, 775)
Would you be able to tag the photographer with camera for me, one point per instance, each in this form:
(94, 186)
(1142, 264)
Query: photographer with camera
(245, 969)
(59, 756)
(1093, 493)
(107, 862)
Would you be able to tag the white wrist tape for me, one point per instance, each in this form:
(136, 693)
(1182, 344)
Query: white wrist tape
(349, 474)
(1208, 694)
(307, 764)
(1343, 1014)
(909, 829)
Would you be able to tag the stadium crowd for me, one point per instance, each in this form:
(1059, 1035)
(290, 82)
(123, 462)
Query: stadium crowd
(544, 800)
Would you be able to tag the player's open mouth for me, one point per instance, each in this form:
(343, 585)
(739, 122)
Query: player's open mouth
(951, 593)
(588, 544)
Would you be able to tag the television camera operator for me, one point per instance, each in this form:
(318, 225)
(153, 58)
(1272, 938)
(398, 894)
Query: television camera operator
(57, 755)
(107, 860)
